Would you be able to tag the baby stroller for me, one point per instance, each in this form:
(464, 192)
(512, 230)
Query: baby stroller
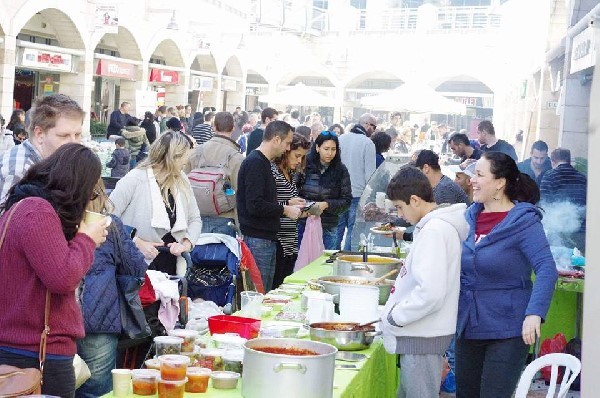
(215, 270)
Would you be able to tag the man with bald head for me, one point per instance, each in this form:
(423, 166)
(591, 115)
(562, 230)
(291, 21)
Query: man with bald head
(358, 155)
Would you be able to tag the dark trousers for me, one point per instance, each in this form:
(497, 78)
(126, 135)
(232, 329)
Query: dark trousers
(489, 368)
(284, 266)
(59, 375)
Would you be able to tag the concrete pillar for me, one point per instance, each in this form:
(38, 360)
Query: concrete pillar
(218, 93)
(339, 103)
(7, 75)
(79, 86)
(591, 322)
(574, 116)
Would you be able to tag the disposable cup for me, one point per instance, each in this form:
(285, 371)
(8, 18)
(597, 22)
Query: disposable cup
(92, 217)
(121, 382)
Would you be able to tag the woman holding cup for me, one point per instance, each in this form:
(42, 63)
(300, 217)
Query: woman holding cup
(48, 247)
(156, 198)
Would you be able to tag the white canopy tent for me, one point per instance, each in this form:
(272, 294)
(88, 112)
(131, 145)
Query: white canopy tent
(414, 97)
(299, 95)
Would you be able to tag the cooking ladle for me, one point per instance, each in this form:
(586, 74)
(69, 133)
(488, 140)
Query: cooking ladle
(362, 325)
(382, 278)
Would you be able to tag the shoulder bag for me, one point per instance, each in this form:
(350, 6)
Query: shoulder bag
(133, 319)
(15, 381)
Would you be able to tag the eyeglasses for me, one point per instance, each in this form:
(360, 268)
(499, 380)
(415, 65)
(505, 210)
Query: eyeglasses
(328, 133)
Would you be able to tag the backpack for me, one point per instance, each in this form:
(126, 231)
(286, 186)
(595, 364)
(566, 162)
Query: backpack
(211, 185)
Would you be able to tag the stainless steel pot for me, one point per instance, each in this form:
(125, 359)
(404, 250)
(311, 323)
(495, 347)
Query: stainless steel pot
(290, 376)
(343, 340)
(375, 267)
(331, 285)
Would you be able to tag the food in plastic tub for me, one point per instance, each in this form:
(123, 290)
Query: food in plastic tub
(153, 363)
(173, 367)
(197, 379)
(232, 361)
(229, 341)
(144, 381)
(193, 356)
(171, 388)
(167, 345)
(224, 380)
(211, 358)
(188, 336)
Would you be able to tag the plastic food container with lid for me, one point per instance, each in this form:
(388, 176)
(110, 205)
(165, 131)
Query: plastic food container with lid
(152, 363)
(171, 388)
(233, 361)
(246, 327)
(173, 367)
(197, 380)
(188, 336)
(211, 358)
(224, 380)
(144, 381)
(229, 341)
(167, 345)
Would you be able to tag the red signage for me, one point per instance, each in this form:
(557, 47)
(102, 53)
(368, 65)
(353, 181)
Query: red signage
(164, 76)
(115, 69)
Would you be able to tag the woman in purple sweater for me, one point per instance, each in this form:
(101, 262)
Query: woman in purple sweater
(500, 309)
(48, 247)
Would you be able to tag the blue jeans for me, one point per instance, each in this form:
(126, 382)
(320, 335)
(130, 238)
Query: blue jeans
(264, 252)
(329, 236)
(347, 219)
(489, 368)
(99, 351)
(217, 225)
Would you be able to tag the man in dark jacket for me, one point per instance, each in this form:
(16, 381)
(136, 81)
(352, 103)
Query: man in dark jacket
(486, 134)
(258, 208)
(255, 137)
(119, 163)
(538, 164)
(118, 120)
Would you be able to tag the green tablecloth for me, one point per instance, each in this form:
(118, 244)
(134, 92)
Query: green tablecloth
(377, 377)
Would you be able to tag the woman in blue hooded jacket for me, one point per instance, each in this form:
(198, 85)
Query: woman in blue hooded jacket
(500, 310)
(99, 300)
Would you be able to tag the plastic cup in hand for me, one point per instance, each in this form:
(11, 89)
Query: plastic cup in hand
(121, 382)
(92, 217)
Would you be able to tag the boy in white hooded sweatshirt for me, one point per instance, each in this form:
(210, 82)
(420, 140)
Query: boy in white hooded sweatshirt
(419, 318)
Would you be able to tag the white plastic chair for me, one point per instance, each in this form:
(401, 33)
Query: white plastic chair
(572, 368)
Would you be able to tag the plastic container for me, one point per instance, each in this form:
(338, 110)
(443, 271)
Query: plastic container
(211, 358)
(173, 367)
(224, 380)
(188, 336)
(194, 357)
(229, 341)
(144, 381)
(168, 345)
(246, 327)
(153, 363)
(233, 361)
(171, 389)
(197, 379)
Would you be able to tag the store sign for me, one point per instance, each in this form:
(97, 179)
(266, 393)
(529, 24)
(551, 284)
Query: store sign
(164, 76)
(228, 84)
(256, 90)
(469, 101)
(47, 60)
(583, 51)
(115, 69)
(201, 83)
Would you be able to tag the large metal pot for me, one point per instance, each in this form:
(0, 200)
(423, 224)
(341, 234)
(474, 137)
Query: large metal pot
(375, 267)
(342, 336)
(290, 376)
(331, 285)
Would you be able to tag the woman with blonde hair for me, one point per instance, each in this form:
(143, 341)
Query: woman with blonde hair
(156, 198)
(99, 298)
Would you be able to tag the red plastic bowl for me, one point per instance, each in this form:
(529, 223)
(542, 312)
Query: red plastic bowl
(246, 327)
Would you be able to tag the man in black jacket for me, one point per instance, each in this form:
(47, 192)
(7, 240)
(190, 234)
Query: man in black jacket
(255, 138)
(118, 120)
(258, 209)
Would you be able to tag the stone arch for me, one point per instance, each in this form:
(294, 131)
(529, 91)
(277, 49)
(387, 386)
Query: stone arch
(204, 62)
(470, 82)
(255, 77)
(124, 41)
(233, 67)
(66, 22)
(165, 42)
(392, 79)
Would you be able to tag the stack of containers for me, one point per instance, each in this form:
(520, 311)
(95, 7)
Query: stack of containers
(358, 303)
(173, 371)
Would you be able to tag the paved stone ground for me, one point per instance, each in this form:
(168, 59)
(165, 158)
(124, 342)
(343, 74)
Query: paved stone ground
(538, 390)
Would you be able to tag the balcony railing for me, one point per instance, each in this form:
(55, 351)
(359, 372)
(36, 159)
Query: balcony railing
(458, 18)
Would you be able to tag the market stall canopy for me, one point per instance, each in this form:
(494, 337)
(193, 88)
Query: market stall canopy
(299, 95)
(414, 97)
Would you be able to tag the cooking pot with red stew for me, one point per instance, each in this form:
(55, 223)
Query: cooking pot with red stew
(290, 368)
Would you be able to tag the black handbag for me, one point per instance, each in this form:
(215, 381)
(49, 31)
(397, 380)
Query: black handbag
(133, 319)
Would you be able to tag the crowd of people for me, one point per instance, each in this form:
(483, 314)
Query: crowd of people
(455, 288)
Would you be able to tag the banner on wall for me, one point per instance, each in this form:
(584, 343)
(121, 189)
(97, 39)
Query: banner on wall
(46, 60)
(164, 76)
(110, 68)
(107, 17)
(201, 83)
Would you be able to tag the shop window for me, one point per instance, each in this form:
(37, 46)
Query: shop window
(107, 51)
(158, 61)
(38, 39)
